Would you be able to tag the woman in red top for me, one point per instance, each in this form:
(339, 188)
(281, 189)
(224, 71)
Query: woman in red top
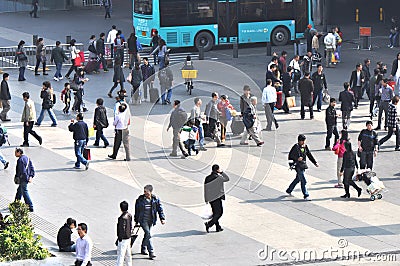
(224, 106)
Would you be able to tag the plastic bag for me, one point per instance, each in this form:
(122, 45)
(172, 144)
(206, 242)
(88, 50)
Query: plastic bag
(207, 212)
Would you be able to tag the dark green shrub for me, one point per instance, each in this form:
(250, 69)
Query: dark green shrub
(17, 240)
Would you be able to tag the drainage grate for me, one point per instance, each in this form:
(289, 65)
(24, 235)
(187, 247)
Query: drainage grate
(98, 255)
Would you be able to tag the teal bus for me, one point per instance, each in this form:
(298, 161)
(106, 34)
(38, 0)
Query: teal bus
(206, 23)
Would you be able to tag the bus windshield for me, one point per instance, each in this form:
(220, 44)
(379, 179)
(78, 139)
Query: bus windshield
(143, 7)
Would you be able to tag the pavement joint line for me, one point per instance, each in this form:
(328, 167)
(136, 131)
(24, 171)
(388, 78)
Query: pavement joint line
(52, 230)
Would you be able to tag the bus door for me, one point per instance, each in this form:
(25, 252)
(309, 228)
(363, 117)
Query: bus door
(227, 21)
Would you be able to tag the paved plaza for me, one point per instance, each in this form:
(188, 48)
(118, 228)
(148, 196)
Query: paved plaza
(262, 224)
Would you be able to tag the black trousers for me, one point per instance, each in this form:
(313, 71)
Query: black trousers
(367, 160)
(389, 135)
(348, 180)
(28, 129)
(285, 106)
(72, 68)
(303, 113)
(357, 94)
(80, 262)
(217, 211)
(121, 84)
(329, 131)
(38, 61)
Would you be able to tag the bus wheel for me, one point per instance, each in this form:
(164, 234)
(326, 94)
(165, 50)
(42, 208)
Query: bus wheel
(280, 36)
(204, 40)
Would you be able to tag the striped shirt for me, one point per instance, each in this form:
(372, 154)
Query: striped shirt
(387, 94)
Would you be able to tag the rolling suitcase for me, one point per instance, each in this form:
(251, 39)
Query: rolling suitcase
(154, 96)
(237, 125)
(91, 66)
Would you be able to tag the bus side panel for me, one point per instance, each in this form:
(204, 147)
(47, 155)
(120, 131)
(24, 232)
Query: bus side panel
(184, 36)
(261, 31)
(143, 28)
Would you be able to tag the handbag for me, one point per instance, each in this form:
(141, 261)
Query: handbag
(22, 57)
(17, 179)
(291, 101)
(86, 154)
(326, 97)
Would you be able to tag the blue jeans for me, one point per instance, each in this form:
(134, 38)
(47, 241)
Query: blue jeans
(2, 159)
(79, 146)
(22, 191)
(161, 61)
(299, 178)
(58, 70)
(51, 114)
(146, 242)
(100, 135)
(201, 135)
(169, 94)
(393, 37)
(319, 102)
(71, 248)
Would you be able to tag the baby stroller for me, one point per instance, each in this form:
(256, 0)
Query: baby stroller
(375, 187)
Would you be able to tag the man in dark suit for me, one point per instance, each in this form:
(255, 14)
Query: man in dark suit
(306, 88)
(346, 97)
(357, 80)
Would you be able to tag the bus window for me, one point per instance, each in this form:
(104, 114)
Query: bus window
(174, 13)
(187, 13)
(202, 11)
(144, 7)
(252, 11)
(279, 10)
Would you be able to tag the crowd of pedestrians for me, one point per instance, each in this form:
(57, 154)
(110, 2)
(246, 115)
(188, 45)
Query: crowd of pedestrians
(295, 77)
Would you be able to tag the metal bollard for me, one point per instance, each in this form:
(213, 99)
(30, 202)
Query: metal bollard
(235, 50)
(34, 39)
(269, 49)
(67, 39)
(201, 53)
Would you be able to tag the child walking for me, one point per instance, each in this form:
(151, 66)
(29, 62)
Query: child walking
(193, 137)
(66, 97)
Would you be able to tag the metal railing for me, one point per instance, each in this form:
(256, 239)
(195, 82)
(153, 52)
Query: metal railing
(92, 2)
(7, 55)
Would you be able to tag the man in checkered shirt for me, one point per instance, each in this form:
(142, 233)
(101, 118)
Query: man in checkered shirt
(392, 123)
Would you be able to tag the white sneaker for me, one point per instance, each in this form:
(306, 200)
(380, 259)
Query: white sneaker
(56, 79)
(307, 199)
(60, 78)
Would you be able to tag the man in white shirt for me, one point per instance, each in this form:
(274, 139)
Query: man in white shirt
(195, 116)
(268, 100)
(121, 123)
(112, 34)
(295, 65)
(84, 247)
(330, 47)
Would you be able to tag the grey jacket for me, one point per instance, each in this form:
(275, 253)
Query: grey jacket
(214, 186)
(212, 110)
(21, 63)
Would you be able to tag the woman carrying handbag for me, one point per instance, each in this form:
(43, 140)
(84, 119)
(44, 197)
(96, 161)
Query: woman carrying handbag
(20, 56)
